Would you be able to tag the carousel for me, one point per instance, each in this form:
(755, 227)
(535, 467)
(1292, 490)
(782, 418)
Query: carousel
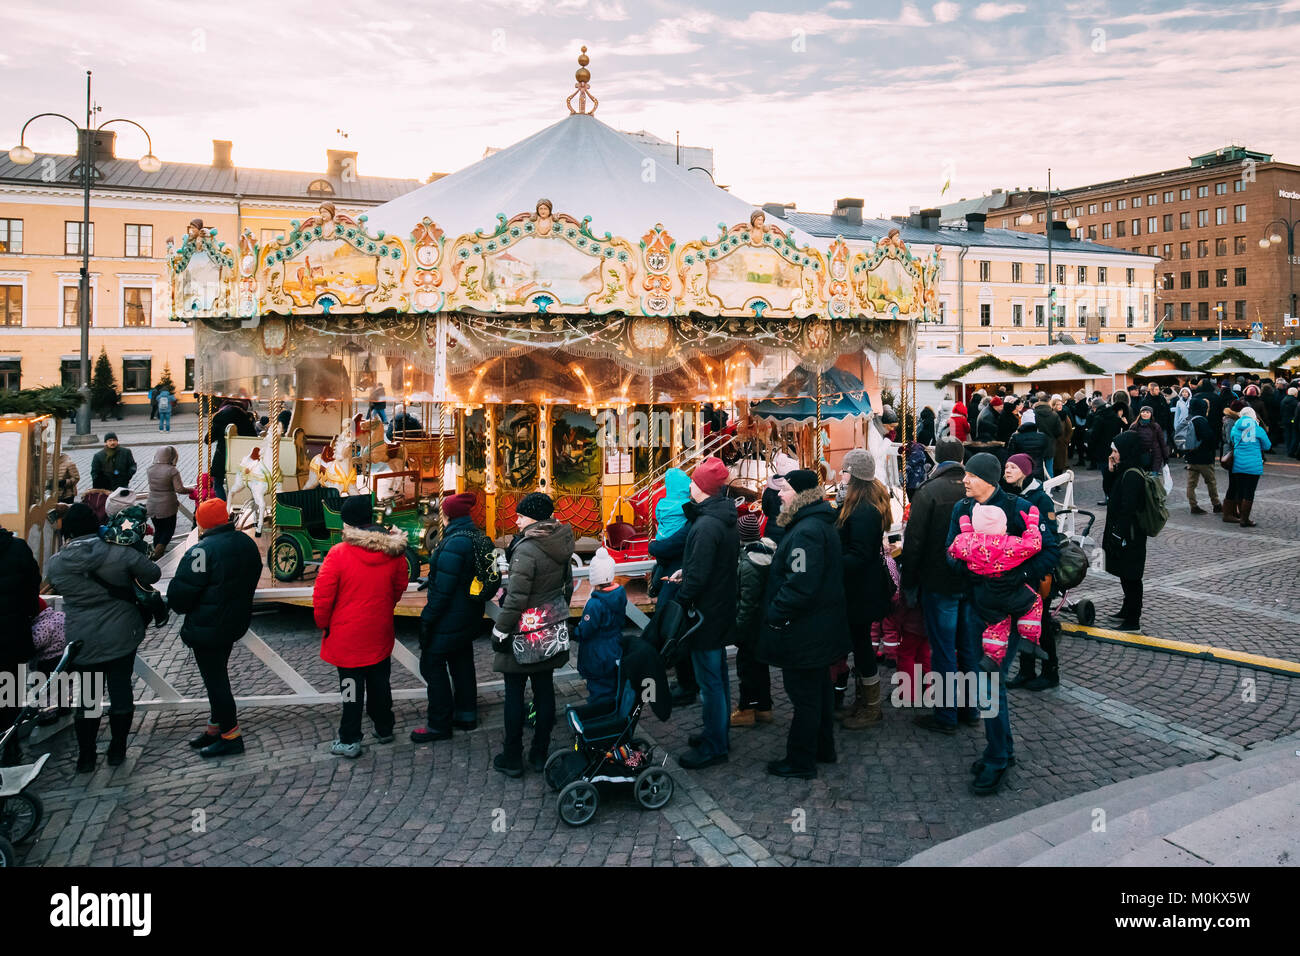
(569, 315)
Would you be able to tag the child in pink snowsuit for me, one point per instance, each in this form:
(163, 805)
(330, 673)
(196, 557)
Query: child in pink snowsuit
(989, 551)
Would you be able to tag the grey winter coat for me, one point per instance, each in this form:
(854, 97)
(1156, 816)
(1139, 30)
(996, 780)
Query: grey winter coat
(111, 628)
(540, 571)
(164, 484)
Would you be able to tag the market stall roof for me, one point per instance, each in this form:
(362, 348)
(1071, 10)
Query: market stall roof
(842, 395)
(585, 168)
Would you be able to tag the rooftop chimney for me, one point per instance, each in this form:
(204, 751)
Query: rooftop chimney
(341, 163)
(221, 154)
(103, 144)
(849, 210)
(930, 218)
(776, 209)
(975, 221)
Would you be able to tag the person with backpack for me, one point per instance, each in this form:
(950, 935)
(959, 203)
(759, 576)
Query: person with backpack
(1199, 444)
(164, 400)
(1249, 442)
(1125, 538)
(599, 632)
(452, 618)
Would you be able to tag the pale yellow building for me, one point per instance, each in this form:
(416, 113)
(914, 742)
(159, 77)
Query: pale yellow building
(133, 214)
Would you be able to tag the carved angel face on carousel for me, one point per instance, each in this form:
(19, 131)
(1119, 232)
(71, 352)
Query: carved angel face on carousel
(757, 226)
(195, 230)
(325, 218)
(543, 222)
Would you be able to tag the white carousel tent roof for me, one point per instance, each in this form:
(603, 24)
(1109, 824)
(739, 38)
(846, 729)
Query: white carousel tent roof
(586, 169)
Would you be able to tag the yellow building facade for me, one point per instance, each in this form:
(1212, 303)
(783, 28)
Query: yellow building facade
(133, 214)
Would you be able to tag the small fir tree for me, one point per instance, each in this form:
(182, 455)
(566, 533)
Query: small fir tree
(104, 394)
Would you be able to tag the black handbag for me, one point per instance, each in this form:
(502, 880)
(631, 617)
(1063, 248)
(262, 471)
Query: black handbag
(147, 600)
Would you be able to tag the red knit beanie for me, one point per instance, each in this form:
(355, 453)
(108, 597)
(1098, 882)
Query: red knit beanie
(458, 506)
(710, 476)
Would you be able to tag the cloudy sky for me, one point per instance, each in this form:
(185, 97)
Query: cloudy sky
(801, 102)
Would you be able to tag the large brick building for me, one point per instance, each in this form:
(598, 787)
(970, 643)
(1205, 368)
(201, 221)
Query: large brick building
(1205, 221)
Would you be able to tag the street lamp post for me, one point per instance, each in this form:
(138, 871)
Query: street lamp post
(22, 155)
(1071, 223)
(1273, 239)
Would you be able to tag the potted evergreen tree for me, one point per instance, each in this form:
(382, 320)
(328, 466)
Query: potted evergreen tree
(104, 395)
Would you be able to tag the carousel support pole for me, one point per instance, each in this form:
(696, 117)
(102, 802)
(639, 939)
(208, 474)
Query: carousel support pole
(544, 482)
(205, 430)
(490, 471)
(817, 434)
(440, 395)
(698, 445)
(275, 455)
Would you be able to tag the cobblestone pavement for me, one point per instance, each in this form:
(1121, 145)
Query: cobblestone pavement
(1120, 712)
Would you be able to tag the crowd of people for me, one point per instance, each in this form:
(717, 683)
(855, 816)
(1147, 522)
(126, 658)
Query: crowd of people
(804, 581)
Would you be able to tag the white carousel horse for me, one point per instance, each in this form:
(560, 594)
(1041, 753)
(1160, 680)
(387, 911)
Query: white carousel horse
(255, 474)
(333, 467)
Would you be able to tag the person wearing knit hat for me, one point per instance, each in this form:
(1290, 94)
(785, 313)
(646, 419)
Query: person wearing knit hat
(948, 449)
(1028, 439)
(535, 506)
(750, 526)
(983, 472)
(807, 628)
(861, 464)
(599, 634)
(213, 587)
(708, 586)
(754, 696)
(1022, 462)
(357, 511)
(451, 619)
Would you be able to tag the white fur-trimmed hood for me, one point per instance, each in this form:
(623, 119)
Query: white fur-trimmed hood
(381, 540)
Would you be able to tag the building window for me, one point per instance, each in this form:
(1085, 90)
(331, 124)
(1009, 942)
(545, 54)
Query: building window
(1221, 215)
(1092, 209)
(1184, 250)
(1185, 280)
(1040, 272)
(1169, 196)
(1078, 211)
(1167, 281)
(1168, 222)
(1101, 275)
(11, 235)
(1239, 186)
(1017, 315)
(1184, 220)
(1238, 215)
(1006, 223)
(1128, 276)
(1038, 315)
(70, 373)
(1202, 191)
(943, 311)
(1101, 315)
(136, 375)
(1184, 194)
(1151, 250)
(72, 238)
(320, 187)
(1203, 279)
(1040, 217)
(1202, 248)
(139, 241)
(1105, 207)
(1092, 232)
(189, 369)
(1122, 204)
(1239, 310)
(1168, 251)
(137, 307)
(1220, 278)
(1221, 246)
(986, 314)
(1105, 230)
(1083, 274)
(1137, 202)
(1152, 224)
(1186, 312)
(1060, 274)
(11, 374)
(1220, 189)
(1202, 217)
(1239, 276)
(11, 304)
(1129, 317)
(72, 308)
(1152, 199)
(1137, 227)
(1016, 272)
(1238, 245)
(1169, 312)
(985, 267)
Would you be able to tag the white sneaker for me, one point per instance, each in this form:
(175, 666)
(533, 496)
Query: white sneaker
(351, 751)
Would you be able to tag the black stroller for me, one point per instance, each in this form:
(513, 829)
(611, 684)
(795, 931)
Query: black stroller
(21, 811)
(605, 747)
(1071, 569)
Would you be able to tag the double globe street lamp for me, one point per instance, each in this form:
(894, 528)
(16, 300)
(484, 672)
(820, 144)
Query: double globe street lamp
(1275, 239)
(22, 155)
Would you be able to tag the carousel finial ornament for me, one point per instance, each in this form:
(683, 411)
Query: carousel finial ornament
(581, 89)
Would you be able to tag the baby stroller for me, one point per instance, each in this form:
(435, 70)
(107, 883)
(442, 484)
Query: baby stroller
(1072, 566)
(605, 747)
(20, 811)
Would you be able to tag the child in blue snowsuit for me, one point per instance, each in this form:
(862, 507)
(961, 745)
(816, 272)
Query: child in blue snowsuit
(600, 631)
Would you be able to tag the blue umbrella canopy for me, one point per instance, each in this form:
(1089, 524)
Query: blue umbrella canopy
(795, 398)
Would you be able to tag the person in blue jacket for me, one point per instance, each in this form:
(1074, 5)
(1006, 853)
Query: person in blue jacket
(1249, 442)
(600, 631)
(983, 473)
(667, 548)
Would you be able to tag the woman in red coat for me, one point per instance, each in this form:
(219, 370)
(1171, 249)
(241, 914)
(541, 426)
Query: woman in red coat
(959, 423)
(358, 585)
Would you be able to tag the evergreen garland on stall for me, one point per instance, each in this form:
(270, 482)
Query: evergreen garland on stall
(1015, 368)
(58, 401)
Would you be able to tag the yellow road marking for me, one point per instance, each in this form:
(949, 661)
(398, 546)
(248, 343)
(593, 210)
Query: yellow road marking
(1188, 648)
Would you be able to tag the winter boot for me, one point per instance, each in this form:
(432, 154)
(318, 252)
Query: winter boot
(119, 726)
(87, 729)
(1246, 506)
(743, 717)
(1230, 515)
(1049, 678)
(866, 704)
(1027, 672)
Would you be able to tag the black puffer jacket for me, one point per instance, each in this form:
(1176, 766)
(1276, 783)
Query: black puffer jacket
(1028, 440)
(925, 539)
(709, 570)
(213, 587)
(541, 569)
(986, 425)
(452, 617)
(862, 536)
(20, 585)
(1123, 541)
(226, 416)
(807, 625)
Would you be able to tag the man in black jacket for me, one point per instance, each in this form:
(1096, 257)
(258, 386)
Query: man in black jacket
(233, 412)
(1029, 440)
(113, 466)
(927, 579)
(20, 585)
(1049, 424)
(1200, 459)
(807, 627)
(213, 588)
(708, 576)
